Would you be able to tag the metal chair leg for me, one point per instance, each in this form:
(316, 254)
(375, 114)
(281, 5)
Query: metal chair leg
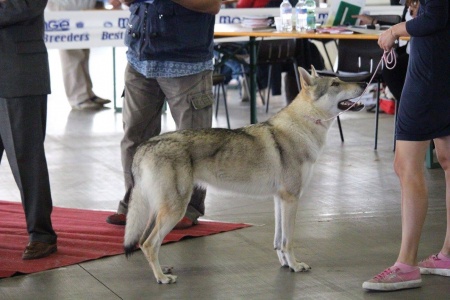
(225, 104)
(340, 128)
(377, 113)
(216, 95)
(297, 75)
(269, 83)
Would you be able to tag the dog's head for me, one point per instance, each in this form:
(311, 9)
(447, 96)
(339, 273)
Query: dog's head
(330, 94)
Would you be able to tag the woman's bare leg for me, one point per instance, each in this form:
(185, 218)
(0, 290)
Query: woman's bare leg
(409, 166)
(443, 155)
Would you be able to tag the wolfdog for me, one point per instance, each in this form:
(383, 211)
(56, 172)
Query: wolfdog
(275, 157)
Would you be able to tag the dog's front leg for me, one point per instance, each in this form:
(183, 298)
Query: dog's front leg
(277, 238)
(289, 204)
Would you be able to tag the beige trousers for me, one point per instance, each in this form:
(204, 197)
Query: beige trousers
(190, 100)
(76, 77)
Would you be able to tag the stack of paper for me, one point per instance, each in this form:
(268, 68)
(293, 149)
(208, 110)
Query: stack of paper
(256, 22)
(334, 30)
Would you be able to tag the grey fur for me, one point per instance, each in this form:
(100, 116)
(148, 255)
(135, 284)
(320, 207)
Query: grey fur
(270, 158)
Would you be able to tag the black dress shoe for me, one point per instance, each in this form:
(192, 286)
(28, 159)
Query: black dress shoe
(36, 250)
(117, 219)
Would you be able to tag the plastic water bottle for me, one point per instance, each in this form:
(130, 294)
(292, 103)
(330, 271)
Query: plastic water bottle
(310, 14)
(286, 15)
(300, 13)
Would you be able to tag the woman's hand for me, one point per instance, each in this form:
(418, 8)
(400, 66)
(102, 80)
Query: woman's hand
(387, 39)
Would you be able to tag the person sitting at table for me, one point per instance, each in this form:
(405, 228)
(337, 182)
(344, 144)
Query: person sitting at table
(232, 68)
(235, 66)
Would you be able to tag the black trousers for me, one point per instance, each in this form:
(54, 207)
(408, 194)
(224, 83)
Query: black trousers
(22, 134)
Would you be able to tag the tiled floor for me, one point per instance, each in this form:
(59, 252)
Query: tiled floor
(348, 222)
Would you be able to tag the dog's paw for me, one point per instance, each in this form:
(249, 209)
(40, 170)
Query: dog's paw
(167, 279)
(300, 267)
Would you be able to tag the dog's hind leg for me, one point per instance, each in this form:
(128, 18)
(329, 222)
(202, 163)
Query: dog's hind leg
(166, 219)
(289, 204)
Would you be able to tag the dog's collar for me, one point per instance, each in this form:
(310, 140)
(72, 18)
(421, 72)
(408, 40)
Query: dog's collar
(315, 121)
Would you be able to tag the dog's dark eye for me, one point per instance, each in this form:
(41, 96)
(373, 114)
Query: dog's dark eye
(335, 83)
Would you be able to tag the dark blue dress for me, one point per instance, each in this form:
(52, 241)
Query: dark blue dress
(424, 111)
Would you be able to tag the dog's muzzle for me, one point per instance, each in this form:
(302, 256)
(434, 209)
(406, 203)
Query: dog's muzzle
(350, 105)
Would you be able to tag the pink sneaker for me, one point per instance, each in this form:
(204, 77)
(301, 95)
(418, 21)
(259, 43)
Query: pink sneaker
(393, 279)
(434, 265)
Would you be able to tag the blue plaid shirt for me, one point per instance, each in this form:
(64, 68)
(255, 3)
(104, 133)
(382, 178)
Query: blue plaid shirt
(169, 69)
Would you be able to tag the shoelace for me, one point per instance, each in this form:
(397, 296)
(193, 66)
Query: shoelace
(432, 257)
(385, 273)
(390, 60)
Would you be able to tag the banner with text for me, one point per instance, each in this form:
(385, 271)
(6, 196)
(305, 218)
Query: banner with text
(106, 28)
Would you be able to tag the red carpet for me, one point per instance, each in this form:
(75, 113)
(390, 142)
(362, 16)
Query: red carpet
(82, 235)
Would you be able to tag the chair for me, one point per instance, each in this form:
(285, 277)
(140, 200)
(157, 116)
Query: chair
(273, 52)
(324, 44)
(357, 62)
(269, 53)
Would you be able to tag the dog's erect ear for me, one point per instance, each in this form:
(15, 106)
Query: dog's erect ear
(306, 80)
(314, 72)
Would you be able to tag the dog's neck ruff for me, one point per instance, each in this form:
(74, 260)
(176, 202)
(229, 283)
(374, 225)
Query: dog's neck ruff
(390, 60)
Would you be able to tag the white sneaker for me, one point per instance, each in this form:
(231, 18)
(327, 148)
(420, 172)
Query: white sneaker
(233, 83)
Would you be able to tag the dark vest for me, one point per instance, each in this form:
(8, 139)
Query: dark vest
(166, 31)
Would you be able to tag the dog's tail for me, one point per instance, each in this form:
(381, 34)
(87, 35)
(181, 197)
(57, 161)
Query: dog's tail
(140, 219)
